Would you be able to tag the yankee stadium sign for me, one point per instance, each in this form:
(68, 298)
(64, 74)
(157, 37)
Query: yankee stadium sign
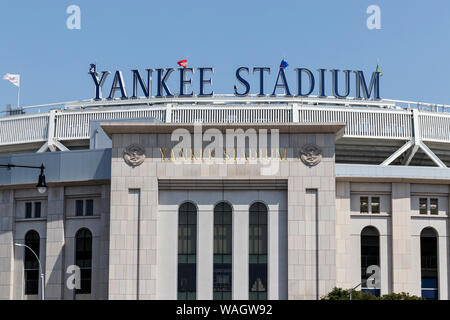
(307, 82)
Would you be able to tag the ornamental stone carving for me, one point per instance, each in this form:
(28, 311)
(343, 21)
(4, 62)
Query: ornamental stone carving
(311, 155)
(134, 155)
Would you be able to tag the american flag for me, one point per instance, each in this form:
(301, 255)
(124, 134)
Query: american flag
(13, 78)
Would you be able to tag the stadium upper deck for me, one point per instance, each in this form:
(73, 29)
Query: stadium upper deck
(386, 132)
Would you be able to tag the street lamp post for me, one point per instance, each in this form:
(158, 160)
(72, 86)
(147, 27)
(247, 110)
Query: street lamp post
(41, 185)
(40, 268)
(351, 289)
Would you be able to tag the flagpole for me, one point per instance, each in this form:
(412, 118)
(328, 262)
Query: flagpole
(18, 94)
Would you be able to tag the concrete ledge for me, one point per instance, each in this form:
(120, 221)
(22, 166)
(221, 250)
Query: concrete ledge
(377, 173)
(222, 184)
(95, 165)
(127, 127)
(62, 166)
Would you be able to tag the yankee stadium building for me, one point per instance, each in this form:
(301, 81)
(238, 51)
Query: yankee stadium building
(256, 195)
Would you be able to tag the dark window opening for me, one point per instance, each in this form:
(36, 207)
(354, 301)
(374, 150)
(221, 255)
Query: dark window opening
(258, 252)
(375, 204)
(434, 208)
(79, 208)
(222, 275)
(31, 264)
(423, 206)
(370, 255)
(364, 204)
(429, 264)
(89, 207)
(187, 252)
(83, 259)
(28, 210)
(37, 209)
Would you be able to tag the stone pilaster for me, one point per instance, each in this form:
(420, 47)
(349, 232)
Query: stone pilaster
(54, 262)
(6, 243)
(104, 244)
(311, 227)
(344, 255)
(402, 258)
(132, 225)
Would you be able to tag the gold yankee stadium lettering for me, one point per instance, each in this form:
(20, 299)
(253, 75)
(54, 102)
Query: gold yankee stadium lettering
(209, 154)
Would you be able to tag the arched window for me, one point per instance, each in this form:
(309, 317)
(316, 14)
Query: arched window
(83, 259)
(187, 252)
(31, 266)
(370, 256)
(429, 263)
(223, 236)
(257, 252)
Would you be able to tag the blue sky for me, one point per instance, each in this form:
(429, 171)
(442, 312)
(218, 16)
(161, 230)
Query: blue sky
(413, 46)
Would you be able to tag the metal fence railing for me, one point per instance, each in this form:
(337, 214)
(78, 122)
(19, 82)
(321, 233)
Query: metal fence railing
(363, 119)
(381, 124)
(75, 125)
(435, 127)
(23, 129)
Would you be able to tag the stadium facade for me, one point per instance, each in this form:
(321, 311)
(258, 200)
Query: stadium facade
(357, 183)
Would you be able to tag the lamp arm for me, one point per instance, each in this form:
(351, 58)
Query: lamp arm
(9, 165)
(351, 289)
(357, 286)
(39, 261)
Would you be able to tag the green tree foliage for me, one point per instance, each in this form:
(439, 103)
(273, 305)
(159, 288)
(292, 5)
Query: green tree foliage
(400, 296)
(343, 294)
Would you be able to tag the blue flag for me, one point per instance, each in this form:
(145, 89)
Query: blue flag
(283, 64)
(93, 68)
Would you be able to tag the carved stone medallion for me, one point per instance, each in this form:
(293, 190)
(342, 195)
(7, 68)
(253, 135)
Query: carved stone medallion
(311, 155)
(134, 155)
